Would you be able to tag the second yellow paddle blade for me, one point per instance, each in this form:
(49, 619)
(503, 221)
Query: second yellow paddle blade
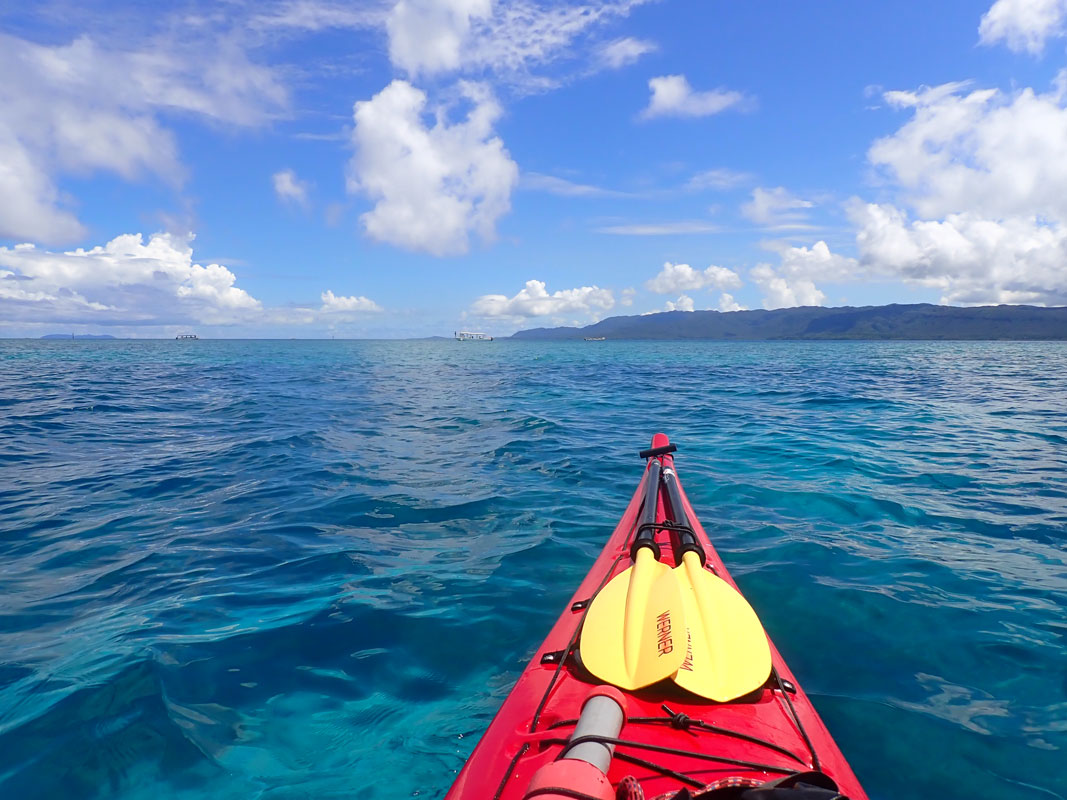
(727, 655)
(634, 632)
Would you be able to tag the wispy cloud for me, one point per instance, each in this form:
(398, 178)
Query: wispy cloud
(777, 209)
(659, 228)
(623, 52)
(537, 181)
(319, 15)
(508, 40)
(720, 179)
(340, 135)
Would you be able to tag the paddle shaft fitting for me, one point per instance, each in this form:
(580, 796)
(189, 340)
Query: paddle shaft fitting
(687, 549)
(646, 533)
(682, 537)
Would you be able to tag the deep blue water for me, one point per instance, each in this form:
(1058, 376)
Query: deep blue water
(314, 569)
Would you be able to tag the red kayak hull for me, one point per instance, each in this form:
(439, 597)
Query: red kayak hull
(535, 720)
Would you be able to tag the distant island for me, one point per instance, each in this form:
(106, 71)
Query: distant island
(78, 336)
(918, 321)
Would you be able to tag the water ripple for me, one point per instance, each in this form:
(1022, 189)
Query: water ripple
(314, 569)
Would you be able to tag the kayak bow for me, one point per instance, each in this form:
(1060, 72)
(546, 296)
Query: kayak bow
(735, 721)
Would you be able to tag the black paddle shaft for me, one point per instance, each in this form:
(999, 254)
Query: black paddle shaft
(682, 537)
(646, 532)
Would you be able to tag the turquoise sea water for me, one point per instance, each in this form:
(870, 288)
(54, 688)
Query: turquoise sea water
(314, 569)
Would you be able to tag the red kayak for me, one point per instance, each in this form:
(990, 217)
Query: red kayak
(574, 726)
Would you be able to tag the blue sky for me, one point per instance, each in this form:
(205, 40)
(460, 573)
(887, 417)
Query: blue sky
(313, 168)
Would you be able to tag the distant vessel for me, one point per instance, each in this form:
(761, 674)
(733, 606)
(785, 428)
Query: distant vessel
(595, 338)
(471, 336)
(186, 336)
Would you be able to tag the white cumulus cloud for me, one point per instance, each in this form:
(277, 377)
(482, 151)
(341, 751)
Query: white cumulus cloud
(793, 282)
(1023, 25)
(979, 151)
(727, 303)
(289, 188)
(780, 291)
(354, 303)
(83, 107)
(682, 277)
(432, 185)
(672, 96)
(818, 263)
(126, 280)
(533, 300)
(683, 303)
(982, 183)
(133, 283)
(980, 178)
(430, 35)
(970, 259)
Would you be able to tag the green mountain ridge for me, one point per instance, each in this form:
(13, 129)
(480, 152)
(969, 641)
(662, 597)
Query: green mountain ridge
(910, 322)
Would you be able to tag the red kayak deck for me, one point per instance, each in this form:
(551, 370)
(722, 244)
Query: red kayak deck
(768, 734)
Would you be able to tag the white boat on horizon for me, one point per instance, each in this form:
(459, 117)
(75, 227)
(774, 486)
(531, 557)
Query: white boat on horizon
(472, 336)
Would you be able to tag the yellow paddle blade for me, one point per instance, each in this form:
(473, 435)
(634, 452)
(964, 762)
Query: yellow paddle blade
(634, 633)
(727, 654)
